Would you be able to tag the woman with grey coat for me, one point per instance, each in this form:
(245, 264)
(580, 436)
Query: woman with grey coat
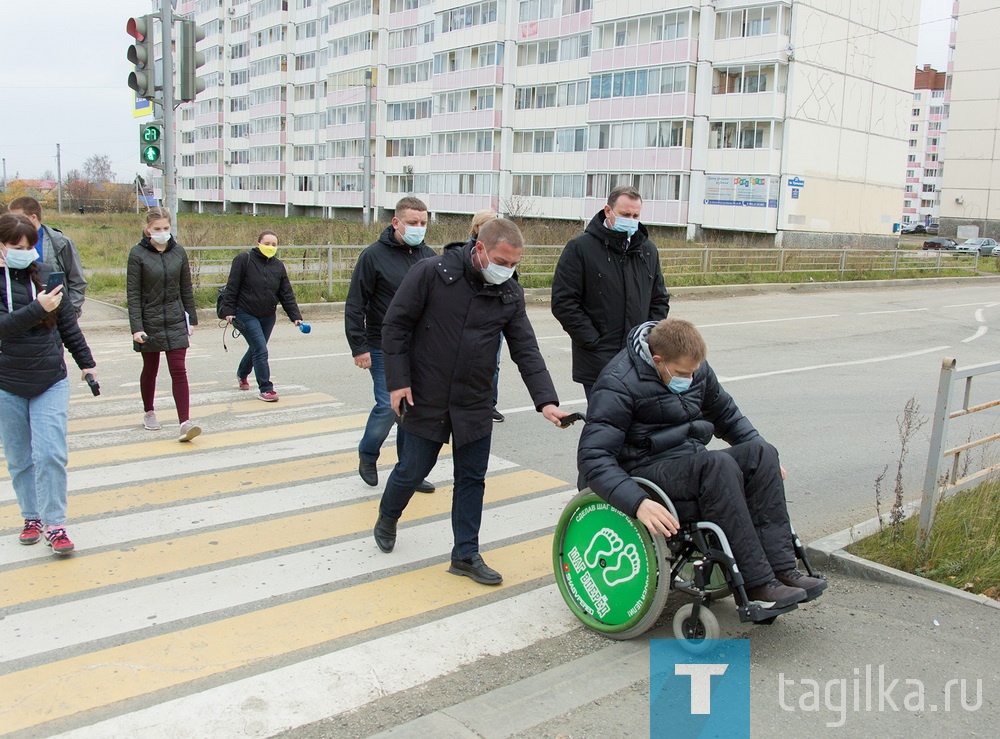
(161, 315)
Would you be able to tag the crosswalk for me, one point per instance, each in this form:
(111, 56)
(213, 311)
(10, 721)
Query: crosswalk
(231, 586)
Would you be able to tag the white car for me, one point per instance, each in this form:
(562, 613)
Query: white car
(983, 247)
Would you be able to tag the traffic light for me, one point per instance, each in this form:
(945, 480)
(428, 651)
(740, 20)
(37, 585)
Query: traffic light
(141, 79)
(151, 144)
(191, 59)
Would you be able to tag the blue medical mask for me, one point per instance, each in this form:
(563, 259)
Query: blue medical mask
(679, 384)
(625, 225)
(20, 258)
(494, 273)
(414, 235)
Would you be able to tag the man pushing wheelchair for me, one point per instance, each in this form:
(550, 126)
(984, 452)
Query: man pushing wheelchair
(651, 414)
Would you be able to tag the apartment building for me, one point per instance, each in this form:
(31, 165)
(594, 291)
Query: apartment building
(926, 147)
(970, 190)
(788, 118)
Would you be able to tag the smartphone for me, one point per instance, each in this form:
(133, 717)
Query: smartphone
(56, 278)
(571, 419)
(403, 408)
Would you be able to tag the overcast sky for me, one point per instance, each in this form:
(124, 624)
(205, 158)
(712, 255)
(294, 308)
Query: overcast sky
(64, 61)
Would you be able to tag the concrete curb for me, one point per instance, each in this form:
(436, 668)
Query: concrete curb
(830, 552)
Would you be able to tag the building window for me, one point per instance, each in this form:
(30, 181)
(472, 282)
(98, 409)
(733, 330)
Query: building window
(652, 186)
(477, 14)
(350, 10)
(743, 135)
(661, 81)
(761, 21)
(651, 29)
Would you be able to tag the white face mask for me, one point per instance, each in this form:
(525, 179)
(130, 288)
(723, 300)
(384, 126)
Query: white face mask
(160, 237)
(494, 273)
(20, 258)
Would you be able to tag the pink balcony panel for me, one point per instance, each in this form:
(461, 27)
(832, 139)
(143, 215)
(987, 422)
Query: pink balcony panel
(410, 18)
(208, 145)
(267, 139)
(554, 27)
(206, 170)
(931, 150)
(680, 105)
(466, 78)
(644, 55)
(461, 203)
(913, 179)
(472, 162)
(473, 119)
(208, 119)
(639, 160)
(275, 168)
(347, 131)
(347, 164)
(409, 55)
(909, 211)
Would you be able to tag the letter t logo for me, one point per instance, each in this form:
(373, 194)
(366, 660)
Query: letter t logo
(701, 684)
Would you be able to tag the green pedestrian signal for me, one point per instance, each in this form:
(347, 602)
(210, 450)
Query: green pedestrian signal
(150, 147)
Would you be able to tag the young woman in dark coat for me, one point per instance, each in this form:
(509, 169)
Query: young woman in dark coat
(35, 325)
(161, 314)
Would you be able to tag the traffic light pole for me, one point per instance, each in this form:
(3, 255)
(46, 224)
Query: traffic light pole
(169, 170)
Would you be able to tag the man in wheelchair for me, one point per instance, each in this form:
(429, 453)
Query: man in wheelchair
(651, 414)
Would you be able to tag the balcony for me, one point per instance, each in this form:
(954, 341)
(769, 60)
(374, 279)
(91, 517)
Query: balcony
(644, 55)
(750, 105)
(486, 161)
(661, 159)
(473, 119)
(548, 28)
(489, 76)
(677, 105)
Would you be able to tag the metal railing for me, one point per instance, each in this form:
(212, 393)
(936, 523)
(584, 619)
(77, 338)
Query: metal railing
(938, 483)
(332, 265)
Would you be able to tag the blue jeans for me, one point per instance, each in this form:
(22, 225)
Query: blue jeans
(416, 461)
(256, 331)
(33, 433)
(382, 416)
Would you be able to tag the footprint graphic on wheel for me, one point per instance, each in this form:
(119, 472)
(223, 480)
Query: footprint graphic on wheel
(625, 568)
(605, 543)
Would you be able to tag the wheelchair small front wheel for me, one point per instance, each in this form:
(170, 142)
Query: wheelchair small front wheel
(694, 633)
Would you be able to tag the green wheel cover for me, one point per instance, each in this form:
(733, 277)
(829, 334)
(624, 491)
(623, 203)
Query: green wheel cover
(605, 565)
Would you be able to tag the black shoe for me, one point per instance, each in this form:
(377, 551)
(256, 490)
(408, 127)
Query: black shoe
(476, 569)
(814, 586)
(774, 595)
(385, 533)
(425, 487)
(368, 472)
(497, 416)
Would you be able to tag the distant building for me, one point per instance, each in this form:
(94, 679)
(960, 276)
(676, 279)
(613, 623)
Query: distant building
(38, 188)
(787, 118)
(970, 191)
(925, 153)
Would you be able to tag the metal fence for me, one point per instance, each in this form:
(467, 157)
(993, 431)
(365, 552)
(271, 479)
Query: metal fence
(332, 265)
(939, 481)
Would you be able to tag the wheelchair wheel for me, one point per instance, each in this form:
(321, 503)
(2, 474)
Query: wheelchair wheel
(612, 574)
(694, 634)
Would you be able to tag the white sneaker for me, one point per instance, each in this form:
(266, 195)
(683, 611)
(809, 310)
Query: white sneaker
(189, 430)
(149, 421)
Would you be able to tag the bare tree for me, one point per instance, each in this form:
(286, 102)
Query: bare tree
(97, 169)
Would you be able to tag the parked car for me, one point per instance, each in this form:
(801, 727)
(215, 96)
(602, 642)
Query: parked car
(984, 247)
(932, 229)
(940, 242)
(913, 228)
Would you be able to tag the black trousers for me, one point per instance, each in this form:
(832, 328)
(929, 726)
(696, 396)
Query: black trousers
(739, 489)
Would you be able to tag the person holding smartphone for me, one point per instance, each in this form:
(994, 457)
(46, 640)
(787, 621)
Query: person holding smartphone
(35, 324)
(161, 314)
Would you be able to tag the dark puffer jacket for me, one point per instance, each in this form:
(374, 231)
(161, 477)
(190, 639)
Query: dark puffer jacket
(633, 420)
(256, 285)
(379, 271)
(159, 293)
(440, 338)
(31, 354)
(600, 292)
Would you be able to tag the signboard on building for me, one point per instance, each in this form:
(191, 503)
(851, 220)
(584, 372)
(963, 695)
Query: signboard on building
(752, 192)
(797, 182)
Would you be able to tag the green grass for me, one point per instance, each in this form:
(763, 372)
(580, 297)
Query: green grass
(964, 547)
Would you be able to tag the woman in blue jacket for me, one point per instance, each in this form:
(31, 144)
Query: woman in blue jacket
(34, 390)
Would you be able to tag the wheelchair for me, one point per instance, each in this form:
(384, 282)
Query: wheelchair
(615, 577)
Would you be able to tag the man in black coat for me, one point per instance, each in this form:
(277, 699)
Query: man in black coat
(608, 280)
(376, 277)
(652, 412)
(440, 339)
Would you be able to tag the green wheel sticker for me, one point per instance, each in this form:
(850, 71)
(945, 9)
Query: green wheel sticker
(605, 563)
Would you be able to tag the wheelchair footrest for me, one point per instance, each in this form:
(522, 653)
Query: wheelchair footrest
(756, 613)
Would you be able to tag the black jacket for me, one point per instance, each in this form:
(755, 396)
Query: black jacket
(256, 285)
(31, 355)
(440, 338)
(159, 293)
(599, 293)
(633, 420)
(377, 275)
